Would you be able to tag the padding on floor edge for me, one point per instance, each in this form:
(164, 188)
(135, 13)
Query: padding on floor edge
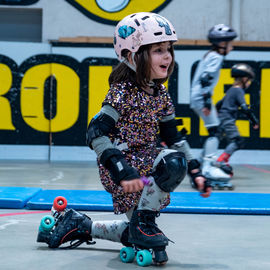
(181, 202)
(16, 197)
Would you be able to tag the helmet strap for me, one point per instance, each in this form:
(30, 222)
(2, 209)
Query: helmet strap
(216, 48)
(224, 49)
(244, 82)
(133, 65)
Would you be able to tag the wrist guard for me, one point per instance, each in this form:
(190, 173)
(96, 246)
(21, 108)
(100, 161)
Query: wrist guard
(253, 119)
(192, 165)
(113, 160)
(251, 116)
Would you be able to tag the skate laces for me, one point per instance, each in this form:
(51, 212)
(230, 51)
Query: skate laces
(76, 237)
(148, 220)
(151, 226)
(74, 244)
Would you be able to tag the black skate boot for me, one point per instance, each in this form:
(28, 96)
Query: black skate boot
(43, 237)
(70, 227)
(145, 234)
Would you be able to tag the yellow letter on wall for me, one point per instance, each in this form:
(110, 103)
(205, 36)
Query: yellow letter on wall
(265, 104)
(67, 97)
(5, 109)
(98, 88)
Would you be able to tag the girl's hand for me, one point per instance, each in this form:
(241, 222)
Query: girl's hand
(256, 126)
(200, 181)
(130, 186)
(206, 111)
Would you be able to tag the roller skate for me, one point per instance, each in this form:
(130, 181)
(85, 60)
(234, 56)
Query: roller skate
(147, 240)
(221, 184)
(218, 174)
(64, 225)
(223, 162)
(48, 222)
(224, 166)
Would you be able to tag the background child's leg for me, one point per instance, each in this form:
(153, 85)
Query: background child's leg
(211, 122)
(235, 142)
(224, 157)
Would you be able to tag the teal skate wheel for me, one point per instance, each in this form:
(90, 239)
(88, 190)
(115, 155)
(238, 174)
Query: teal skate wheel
(47, 223)
(127, 254)
(40, 229)
(144, 257)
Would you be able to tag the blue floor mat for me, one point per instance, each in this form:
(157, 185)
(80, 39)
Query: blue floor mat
(220, 203)
(88, 200)
(181, 202)
(16, 197)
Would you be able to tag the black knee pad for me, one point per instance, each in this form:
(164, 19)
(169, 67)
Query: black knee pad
(170, 170)
(213, 131)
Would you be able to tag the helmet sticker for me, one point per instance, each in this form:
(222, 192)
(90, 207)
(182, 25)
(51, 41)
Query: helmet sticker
(163, 23)
(136, 40)
(125, 31)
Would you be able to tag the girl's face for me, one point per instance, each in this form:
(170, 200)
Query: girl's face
(247, 82)
(227, 45)
(161, 59)
(243, 82)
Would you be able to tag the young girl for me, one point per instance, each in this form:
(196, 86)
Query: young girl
(124, 135)
(202, 87)
(228, 108)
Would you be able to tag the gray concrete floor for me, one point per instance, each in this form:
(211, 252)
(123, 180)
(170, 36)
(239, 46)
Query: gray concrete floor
(84, 175)
(201, 241)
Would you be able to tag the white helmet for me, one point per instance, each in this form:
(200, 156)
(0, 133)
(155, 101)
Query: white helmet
(140, 29)
(221, 32)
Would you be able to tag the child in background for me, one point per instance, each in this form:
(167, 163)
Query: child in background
(124, 135)
(202, 87)
(228, 108)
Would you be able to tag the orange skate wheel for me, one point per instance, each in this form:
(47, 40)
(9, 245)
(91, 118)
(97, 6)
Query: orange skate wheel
(60, 203)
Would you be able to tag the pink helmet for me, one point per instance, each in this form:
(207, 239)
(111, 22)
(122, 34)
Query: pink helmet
(140, 29)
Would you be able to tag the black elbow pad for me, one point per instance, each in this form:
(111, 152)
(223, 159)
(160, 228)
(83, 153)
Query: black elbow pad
(100, 125)
(206, 80)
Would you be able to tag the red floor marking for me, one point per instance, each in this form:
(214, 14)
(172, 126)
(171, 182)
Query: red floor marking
(256, 169)
(23, 213)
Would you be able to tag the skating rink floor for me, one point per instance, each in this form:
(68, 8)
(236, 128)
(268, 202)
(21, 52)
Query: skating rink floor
(202, 241)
